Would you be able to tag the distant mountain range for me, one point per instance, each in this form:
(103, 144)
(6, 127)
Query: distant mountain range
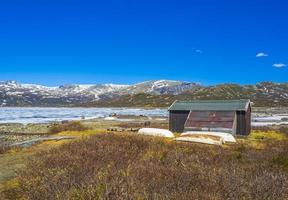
(160, 93)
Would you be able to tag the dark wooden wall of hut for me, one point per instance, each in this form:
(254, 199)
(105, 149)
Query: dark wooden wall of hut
(177, 120)
(240, 127)
(244, 122)
(248, 121)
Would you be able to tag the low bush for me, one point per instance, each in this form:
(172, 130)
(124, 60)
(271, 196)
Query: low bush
(268, 135)
(125, 166)
(3, 148)
(70, 126)
(281, 129)
(281, 160)
(262, 128)
(284, 130)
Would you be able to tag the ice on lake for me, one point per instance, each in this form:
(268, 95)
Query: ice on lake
(44, 115)
(275, 119)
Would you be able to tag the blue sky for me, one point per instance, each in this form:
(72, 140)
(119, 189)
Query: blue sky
(54, 42)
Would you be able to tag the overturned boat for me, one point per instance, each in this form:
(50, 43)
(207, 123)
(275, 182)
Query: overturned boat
(200, 138)
(156, 132)
(227, 137)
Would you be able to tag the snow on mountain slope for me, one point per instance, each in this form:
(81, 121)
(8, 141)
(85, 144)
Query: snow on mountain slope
(159, 87)
(13, 93)
(16, 94)
(94, 90)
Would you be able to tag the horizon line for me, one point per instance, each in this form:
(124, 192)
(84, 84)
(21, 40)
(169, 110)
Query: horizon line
(194, 82)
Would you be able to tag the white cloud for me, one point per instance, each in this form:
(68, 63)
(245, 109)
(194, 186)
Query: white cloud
(261, 54)
(279, 65)
(198, 51)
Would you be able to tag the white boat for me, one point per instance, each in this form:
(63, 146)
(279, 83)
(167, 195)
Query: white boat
(204, 139)
(227, 137)
(156, 132)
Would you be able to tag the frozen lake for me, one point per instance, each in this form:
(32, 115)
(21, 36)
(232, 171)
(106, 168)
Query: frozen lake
(43, 115)
(275, 119)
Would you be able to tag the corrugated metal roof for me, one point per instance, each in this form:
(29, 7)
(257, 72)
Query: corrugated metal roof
(211, 105)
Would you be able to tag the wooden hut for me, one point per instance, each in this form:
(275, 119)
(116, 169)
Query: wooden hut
(232, 116)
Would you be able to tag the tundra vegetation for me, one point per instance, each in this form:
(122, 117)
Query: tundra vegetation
(26, 134)
(130, 166)
(3, 148)
(69, 126)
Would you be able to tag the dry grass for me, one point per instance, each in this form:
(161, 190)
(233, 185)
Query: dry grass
(126, 166)
(15, 159)
(3, 148)
(267, 135)
(70, 126)
(284, 130)
(81, 133)
(150, 124)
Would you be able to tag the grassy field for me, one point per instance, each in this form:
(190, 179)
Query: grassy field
(129, 166)
(16, 159)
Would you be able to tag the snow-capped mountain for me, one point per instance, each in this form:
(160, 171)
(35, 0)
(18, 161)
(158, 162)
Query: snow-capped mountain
(16, 94)
(161, 87)
(266, 94)
(89, 90)
(148, 93)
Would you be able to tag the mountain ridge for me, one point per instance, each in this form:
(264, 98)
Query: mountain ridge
(154, 93)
